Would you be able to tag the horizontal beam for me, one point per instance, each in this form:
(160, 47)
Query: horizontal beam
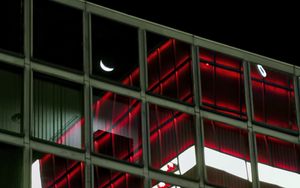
(117, 165)
(173, 180)
(275, 134)
(11, 139)
(13, 60)
(224, 119)
(58, 150)
(59, 73)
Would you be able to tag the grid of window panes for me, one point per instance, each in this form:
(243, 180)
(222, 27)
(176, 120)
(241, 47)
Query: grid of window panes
(92, 112)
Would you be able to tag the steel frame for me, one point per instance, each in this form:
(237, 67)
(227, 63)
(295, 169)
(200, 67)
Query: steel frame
(88, 83)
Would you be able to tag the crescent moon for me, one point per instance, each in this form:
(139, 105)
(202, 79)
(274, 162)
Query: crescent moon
(105, 68)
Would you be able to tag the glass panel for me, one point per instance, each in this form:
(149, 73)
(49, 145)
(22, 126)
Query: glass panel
(115, 52)
(11, 32)
(117, 126)
(11, 170)
(49, 171)
(227, 157)
(57, 34)
(106, 178)
(278, 162)
(160, 184)
(169, 68)
(222, 84)
(11, 97)
(273, 98)
(58, 111)
(172, 138)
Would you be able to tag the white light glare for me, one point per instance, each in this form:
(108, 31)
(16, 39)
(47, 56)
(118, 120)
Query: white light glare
(36, 175)
(262, 71)
(105, 68)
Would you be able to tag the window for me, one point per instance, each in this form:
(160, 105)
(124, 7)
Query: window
(169, 68)
(58, 111)
(274, 99)
(11, 97)
(11, 19)
(278, 162)
(115, 52)
(117, 126)
(104, 177)
(48, 170)
(227, 157)
(57, 35)
(222, 84)
(11, 171)
(172, 139)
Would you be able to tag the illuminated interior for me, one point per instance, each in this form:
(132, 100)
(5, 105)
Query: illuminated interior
(218, 73)
(279, 87)
(117, 129)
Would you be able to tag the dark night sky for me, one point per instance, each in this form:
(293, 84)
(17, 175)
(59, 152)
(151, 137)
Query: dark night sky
(266, 29)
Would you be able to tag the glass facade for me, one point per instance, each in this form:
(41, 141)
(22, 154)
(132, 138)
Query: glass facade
(58, 111)
(169, 68)
(218, 73)
(11, 98)
(117, 126)
(110, 178)
(152, 107)
(275, 86)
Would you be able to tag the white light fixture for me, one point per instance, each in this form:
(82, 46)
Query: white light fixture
(105, 68)
(261, 70)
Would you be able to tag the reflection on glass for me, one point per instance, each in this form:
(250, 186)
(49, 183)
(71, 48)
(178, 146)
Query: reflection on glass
(172, 142)
(12, 27)
(58, 111)
(218, 73)
(11, 170)
(106, 178)
(115, 52)
(278, 162)
(169, 68)
(226, 153)
(57, 34)
(117, 126)
(161, 184)
(274, 99)
(11, 83)
(49, 171)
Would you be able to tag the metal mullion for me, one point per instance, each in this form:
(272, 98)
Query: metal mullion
(79, 4)
(276, 134)
(173, 180)
(114, 88)
(144, 111)
(251, 135)
(296, 95)
(27, 100)
(198, 119)
(116, 165)
(170, 104)
(59, 73)
(242, 54)
(87, 101)
(217, 117)
(138, 22)
(11, 59)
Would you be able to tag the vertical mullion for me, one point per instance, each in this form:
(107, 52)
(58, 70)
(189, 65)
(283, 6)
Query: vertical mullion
(251, 134)
(87, 99)
(27, 100)
(296, 91)
(198, 120)
(144, 111)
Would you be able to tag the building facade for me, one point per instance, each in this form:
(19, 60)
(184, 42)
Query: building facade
(92, 97)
